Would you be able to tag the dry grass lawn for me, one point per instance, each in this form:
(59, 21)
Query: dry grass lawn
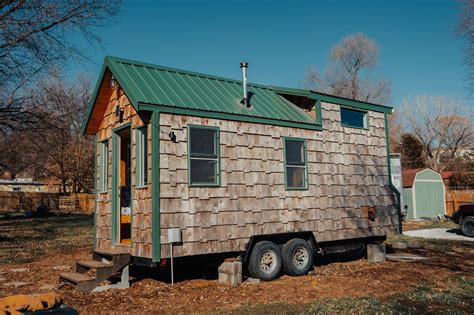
(442, 284)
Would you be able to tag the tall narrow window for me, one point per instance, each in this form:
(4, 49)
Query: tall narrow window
(353, 118)
(296, 168)
(104, 166)
(203, 154)
(142, 157)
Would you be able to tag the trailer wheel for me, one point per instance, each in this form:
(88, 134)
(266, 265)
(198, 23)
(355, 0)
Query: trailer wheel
(467, 226)
(265, 261)
(297, 257)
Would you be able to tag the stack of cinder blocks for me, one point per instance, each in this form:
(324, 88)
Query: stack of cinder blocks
(230, 272)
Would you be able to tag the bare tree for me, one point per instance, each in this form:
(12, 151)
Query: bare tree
(443, 125)
(396, 131)
(466, 31)
(66, 155)
(35, 36)
(17, 156)
(349, 72)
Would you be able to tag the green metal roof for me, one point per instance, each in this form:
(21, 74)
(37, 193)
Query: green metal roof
(158, 85)
(148, 86)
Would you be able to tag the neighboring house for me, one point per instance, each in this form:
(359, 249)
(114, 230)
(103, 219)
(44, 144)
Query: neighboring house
(423, 193)
(23, 185)
(190, 151)
(467, 154)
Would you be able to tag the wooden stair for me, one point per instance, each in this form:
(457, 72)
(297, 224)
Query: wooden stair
(89, 274)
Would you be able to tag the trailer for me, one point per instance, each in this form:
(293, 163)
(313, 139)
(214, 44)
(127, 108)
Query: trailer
(196, 165)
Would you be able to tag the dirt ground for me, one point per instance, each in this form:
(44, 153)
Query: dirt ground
(443, 283)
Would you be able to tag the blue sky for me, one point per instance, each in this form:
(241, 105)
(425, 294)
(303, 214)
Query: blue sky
(280, 39)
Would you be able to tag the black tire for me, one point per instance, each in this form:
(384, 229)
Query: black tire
(467, 226)
(297, 257)
(265, 261)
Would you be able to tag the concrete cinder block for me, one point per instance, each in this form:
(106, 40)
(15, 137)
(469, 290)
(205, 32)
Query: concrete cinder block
(232, 280)
(230, 273)
(231, 268)
(376, 253)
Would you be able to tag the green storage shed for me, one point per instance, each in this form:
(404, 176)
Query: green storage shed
(423, 193)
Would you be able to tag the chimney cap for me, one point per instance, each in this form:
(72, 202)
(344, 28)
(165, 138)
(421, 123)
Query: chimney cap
(244, 64)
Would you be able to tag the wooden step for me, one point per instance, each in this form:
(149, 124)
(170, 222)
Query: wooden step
(75, 277)
(111, 255)
(82, 282)
(110, 252)
(117, 258)
(102, 270)
(94, 264)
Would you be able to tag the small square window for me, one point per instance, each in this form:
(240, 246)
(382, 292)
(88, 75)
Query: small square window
(296, 168)
(203, 146)
(353, 118)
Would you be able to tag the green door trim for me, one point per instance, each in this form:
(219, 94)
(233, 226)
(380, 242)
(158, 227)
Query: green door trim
(155, 185)
(96, 144)
(115, 218)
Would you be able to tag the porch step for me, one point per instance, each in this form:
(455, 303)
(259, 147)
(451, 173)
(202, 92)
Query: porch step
(112, 255)
(102, 270)
(93, 264)
(109, 252)
(82, 282)
(104, 265)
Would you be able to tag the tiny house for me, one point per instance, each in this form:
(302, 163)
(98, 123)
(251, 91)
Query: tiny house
(234, 167)
(423, 193)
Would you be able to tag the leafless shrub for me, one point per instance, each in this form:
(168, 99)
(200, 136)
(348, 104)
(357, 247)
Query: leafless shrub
(443, 125)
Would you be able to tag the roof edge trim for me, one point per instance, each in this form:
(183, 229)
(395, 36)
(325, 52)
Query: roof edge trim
(228, 116)
(333, 99)
(95, 93)
(107, 64)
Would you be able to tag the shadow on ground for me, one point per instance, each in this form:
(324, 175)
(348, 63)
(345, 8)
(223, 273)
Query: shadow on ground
(186, 271)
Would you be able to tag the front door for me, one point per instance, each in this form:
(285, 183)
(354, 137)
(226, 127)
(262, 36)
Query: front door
(123, 185)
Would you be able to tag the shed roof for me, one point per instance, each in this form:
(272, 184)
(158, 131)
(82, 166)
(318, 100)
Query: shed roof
(410, 175)
(154, 85)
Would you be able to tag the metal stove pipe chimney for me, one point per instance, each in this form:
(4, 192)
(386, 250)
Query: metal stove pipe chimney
(245, 100)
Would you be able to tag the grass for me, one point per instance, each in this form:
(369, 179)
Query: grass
(24, 240)
(457, 298)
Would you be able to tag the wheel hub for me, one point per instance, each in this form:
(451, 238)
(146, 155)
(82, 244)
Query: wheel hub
(268, 261)
(470, 227)
(300, 257)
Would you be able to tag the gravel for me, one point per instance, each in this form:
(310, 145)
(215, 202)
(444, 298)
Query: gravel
(440, 234)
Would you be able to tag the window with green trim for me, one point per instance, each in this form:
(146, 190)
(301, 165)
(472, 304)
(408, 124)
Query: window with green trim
(353, 118)
(296, 166)
(104, 166)
(203, 155)
(142, 156)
